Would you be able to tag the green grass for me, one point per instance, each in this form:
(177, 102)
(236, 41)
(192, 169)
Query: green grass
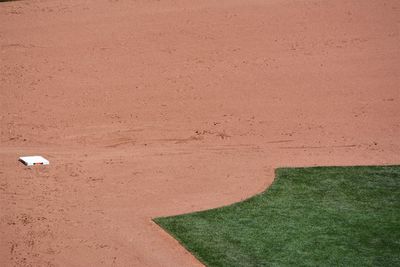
(323, 216)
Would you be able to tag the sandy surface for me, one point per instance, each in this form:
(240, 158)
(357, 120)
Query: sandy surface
(153, 108)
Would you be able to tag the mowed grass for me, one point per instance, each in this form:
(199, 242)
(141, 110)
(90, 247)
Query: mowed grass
(322, 216)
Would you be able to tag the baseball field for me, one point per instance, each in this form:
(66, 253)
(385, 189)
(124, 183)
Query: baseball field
(149, 109)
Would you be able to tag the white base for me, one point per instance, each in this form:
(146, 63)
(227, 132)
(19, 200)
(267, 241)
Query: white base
(34, 160)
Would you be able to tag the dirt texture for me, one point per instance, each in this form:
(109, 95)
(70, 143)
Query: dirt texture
(153, 108)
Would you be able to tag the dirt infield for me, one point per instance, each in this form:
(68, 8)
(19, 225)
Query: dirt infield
(152, 108)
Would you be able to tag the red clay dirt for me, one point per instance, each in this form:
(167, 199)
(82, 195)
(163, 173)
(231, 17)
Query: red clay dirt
(154, 108)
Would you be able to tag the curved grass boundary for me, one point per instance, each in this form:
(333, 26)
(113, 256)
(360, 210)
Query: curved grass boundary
(321, 216)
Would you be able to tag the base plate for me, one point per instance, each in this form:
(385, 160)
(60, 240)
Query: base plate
(34, 160)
